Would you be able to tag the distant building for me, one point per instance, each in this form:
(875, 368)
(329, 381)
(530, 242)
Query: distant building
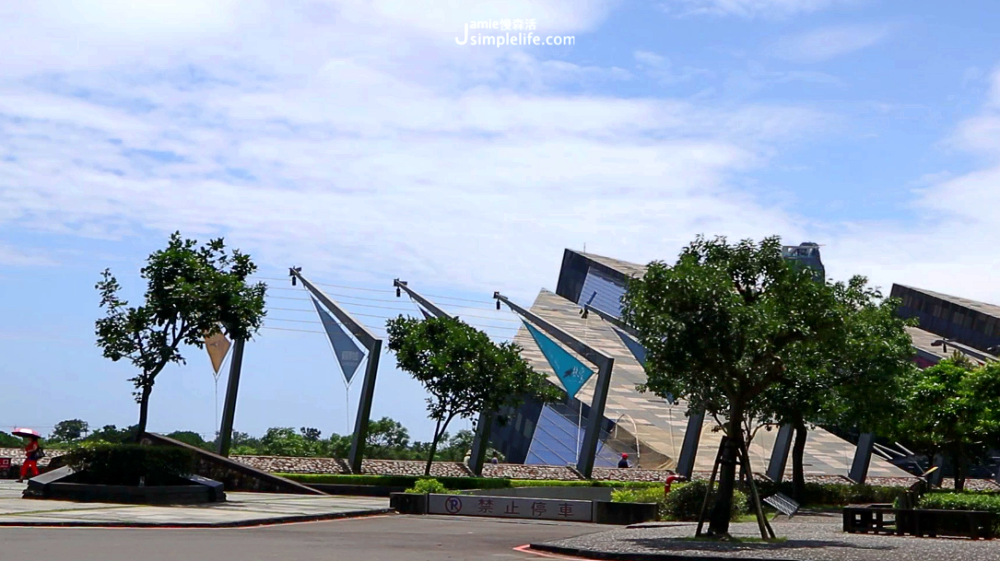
(806, 255)
(959, 323)
(648, 428)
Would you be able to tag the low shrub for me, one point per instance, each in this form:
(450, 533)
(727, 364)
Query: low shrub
(423, 486)
(451, 483)
(836, 494)
(125, 464)
(682, 503)
(580, 483)
(945, 500)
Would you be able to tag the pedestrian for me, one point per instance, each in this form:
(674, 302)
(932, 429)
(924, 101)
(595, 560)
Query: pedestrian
(495, 459)
(33, 452)
(468, 457)
(623, 463)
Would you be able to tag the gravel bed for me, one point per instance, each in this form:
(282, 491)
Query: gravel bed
(285, 464)
(631, 474)
(518, 471)
(412, 467)
(810, 540)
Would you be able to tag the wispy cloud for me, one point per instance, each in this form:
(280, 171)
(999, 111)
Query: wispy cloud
(828, 42)
(662, 69)
(749, 8)
(12, 256)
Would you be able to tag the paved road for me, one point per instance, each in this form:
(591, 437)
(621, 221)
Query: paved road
(403, 538)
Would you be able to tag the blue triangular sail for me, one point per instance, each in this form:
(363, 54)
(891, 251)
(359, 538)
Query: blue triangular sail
(348, 354)
(571, 372)
(638, 351)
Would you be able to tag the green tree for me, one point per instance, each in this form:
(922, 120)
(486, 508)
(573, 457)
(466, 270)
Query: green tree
(68, 431)
(722, 326)
(10, 441)
(192, 292)
(310, 434)
(113, 435)
(284, 441)
(387, 434)
(951, 409)
(463, 370)
(190, 437)
(852, 380)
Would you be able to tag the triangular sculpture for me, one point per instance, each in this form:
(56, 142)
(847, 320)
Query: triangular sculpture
(348, 354)
(218, 347)
(571, 372)
(638, 351)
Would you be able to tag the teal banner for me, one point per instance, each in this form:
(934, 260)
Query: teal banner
(571, 372)
(348, 354)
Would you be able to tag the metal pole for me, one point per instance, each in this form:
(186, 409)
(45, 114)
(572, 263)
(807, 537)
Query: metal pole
(365, 408)
(689, 448)
(862, 458)
(605, 364)
(374, 346)
(232, 388)
(482, 438)
(779, 454)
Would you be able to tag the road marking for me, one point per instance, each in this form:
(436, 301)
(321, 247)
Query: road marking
(526, 548)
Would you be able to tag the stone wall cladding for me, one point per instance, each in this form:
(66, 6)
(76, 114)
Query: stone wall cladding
(631, 474)
(17, 456)
(285, 464)
(518, 471)
(413, 467)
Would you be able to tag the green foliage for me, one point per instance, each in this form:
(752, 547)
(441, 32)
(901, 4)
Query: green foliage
(591, 483)
(124, 464)
(113, 435)
(191, 438)
(951, 409)
(191, 293)
(452, 483)
(462, 370)
(964, 501)
(683, 502)
(284, 441)
(310, 434)
(423, 486)
(722, 326)
(69, 431)
(836, 494)
(10, 441)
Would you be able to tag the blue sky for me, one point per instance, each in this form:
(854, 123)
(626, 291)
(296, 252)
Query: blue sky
(357, 140)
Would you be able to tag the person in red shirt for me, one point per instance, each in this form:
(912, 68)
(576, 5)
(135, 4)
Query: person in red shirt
(31, 460)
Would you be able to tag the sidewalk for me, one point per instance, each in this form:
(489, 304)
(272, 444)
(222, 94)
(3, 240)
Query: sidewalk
(241, 509)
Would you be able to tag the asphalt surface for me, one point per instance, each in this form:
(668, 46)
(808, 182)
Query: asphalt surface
(403, 538)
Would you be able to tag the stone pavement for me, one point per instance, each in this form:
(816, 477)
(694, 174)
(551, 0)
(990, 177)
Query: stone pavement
(241, 509)
(809, 538)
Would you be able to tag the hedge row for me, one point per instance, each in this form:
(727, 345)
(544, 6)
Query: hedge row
(458, 483)
(683, 502)
(836, 494)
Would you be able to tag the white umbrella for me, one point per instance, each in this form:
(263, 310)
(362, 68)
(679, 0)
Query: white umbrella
(27, 433)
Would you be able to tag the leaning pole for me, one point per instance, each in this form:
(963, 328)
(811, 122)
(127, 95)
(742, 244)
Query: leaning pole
(374, 346)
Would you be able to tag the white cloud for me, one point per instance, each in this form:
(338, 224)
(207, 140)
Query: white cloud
(12, 256)
(749, 8)
(828, 42)
(662, 69)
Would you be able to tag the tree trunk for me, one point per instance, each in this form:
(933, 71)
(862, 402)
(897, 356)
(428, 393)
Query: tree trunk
(958, 460)
(438, 432)
(143, 412)
(798, 454)
(719, 520)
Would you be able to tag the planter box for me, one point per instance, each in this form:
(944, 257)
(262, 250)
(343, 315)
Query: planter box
(625, 513)
(59, 484)
(408, 503)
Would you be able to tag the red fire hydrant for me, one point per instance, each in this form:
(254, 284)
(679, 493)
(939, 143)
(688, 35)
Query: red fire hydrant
(670, 480)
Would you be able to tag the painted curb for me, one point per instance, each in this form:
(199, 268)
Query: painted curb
(621, 556)
(278, 520)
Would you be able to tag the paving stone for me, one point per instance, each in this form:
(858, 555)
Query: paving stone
(816, 539)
